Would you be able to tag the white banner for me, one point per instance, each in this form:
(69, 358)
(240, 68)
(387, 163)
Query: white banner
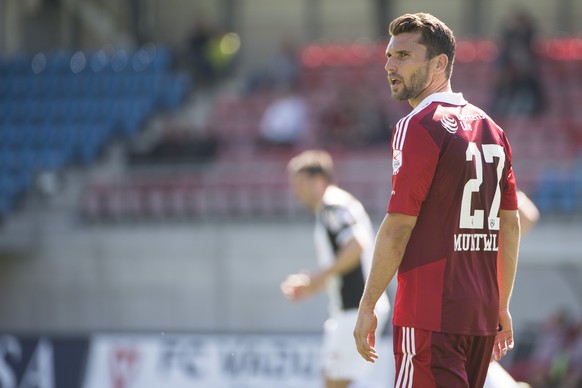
(204, 361)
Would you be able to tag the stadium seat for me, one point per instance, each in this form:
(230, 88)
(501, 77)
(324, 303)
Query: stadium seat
(60, 108)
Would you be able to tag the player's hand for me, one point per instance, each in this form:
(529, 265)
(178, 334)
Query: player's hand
(365, 335)
(504, 338)
(295, 286)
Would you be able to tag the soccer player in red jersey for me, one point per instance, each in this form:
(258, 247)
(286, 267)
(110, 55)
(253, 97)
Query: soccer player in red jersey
(451, 229)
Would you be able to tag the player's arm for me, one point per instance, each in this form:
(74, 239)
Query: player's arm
(389, 248)
(347, 258)
(509, 236)
(301, 286)
(528, 212)
(391, 242)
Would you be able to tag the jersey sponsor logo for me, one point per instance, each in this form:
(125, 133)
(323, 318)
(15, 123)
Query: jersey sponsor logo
(472, 117)
(475, 242)
(450, 124)
(465, 125)
(396, 161)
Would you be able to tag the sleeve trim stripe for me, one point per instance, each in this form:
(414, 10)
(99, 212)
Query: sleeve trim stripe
(400, 135)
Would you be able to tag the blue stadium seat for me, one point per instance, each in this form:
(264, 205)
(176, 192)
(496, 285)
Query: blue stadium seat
(82, 85)
(89, 142)
(175, 87)
(6, 107)
(556, 192)
(12, 185)
(18, 65)
(150, 83)
(97, 61)
(120, 61)
(11, 137)
(162, 60)
(59, 63)
(19, 86)
(52, 85)
(5, 84)
(54, 112)
(5, 205)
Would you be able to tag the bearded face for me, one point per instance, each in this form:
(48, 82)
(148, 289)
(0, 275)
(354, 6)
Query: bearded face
(407, 89)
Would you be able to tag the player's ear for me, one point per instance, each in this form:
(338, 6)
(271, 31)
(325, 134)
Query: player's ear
(440, 63)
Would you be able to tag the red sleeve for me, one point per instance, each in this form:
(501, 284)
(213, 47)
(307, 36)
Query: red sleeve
(509, 195)
(415, 157)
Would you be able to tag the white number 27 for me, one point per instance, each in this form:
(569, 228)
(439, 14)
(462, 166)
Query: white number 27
(475, 219)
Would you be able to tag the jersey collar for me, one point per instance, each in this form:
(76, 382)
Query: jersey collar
(446, 97)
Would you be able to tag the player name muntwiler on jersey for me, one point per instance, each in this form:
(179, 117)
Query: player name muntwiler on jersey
(475, 242)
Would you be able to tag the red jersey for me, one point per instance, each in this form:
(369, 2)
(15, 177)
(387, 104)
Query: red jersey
(451, 169)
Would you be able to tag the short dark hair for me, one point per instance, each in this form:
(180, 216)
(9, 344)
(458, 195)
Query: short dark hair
(436, 36)
(312, 163)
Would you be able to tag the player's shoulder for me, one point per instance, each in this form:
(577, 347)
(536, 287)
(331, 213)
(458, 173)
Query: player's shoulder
(425, 116)
(338, 206)
(412, 127)
(439, 117)
(335, 197)
(440, 110)
(447, 118)
(336, 217)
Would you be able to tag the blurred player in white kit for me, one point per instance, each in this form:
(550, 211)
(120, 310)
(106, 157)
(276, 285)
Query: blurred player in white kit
(344, 239)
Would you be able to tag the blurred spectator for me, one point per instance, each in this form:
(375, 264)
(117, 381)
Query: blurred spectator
(212, 52)
(285, 65)
(282, 70)
(174, 142)
(372, 121)
(518, 90)
(49, 183)
(222, 50)
(198, 43)
(573, 377)
(285, 120)
(338, 120)
(546, 365)
(355, 117)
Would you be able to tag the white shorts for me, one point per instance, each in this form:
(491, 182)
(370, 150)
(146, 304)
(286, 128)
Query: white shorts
(497, 377)
(341, 360)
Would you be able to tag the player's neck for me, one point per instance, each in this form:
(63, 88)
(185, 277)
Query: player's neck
(432, 88)
(318, 204)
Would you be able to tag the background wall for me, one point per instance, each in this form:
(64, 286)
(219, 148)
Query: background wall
(219, 276)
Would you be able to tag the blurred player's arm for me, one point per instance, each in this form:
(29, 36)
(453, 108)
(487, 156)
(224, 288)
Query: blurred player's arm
(346, 259)
(391, 242)
(303, 285)
(528, 212)
(297, 286)
(509, 235)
